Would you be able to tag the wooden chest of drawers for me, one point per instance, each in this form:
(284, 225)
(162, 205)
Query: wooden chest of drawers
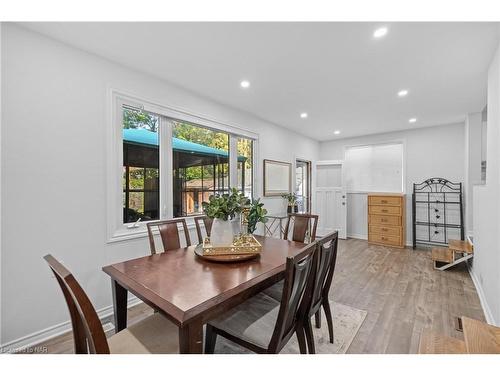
(386, 219)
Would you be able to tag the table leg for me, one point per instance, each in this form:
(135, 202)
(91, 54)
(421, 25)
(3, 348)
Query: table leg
(120, 305)
(191, 338)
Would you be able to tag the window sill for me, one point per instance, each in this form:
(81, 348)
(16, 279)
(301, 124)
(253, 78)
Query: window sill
(128, 234)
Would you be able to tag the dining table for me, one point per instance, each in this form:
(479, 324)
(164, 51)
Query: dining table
(190, 290)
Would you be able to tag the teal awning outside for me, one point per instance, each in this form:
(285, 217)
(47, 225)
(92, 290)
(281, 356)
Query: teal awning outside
(148, 138)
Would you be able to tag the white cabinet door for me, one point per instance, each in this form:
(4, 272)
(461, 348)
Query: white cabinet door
(331, 199)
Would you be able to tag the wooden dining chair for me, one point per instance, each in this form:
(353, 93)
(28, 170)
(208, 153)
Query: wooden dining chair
(154, 334)
(304, 227)
(263, 324)
(207, 224)
(327, 257)
(169, 233)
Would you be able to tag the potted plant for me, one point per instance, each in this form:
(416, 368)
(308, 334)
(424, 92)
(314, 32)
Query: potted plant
(291, 199)
(224, 209)
(256, 213)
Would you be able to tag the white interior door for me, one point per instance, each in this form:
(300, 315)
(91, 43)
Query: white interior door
(331, 198)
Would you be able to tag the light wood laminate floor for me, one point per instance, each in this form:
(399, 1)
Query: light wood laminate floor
(399, 289)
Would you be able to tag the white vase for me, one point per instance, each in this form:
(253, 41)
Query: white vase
(236, 223)
(223, 232)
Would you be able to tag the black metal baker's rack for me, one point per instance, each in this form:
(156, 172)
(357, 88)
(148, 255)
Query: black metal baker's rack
(432, 201)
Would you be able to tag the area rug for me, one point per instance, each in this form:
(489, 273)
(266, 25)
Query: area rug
(346, 322)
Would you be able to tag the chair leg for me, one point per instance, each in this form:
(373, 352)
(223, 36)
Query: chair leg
(210, 339)
(301, 339)
(317, 318)
(309, 336)
(329, 319)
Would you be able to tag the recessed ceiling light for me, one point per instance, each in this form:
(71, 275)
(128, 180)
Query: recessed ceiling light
(245, 84)
(380, 32)
(402, 93)
(336, 132)
(412, 120)
(303, 115)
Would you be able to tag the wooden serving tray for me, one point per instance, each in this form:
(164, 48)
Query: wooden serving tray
(229, 258)
(241, 246)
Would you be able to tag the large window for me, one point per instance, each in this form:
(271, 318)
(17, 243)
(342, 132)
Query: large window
(245, 166)
(172, 163)
(141, 177)
(200, 166)
(375, 168)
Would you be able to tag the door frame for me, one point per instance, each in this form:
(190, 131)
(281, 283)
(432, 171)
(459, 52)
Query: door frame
(309, 178)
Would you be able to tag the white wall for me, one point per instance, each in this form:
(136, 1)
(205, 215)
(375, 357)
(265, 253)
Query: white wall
(473, 131)
(53, 171)
(430, 152)
(486, 208)
(1, 27)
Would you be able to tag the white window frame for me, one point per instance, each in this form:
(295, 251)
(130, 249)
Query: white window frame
(116, 229)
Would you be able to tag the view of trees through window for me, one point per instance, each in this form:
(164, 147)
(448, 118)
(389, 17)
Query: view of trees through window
(245, 166)
(200, 166)
(141, 178)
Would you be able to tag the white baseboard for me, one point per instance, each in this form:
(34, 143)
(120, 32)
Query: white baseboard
(56, 330)
(482, 298)
(365, 237)
(357, 236)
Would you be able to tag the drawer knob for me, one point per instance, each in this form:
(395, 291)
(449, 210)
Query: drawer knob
(383, 201)
(384, 210)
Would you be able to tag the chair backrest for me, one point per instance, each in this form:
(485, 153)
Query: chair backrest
(303, 224)
(88, 334)
(207, 223)
(299, 279)
(169, 234)
(327, 256)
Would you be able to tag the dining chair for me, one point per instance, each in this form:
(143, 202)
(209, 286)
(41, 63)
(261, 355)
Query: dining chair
(301, 225)
(327, 256)
(169, 233)
(263, 324)
(304, 227)
(207, 224)
(154, 334)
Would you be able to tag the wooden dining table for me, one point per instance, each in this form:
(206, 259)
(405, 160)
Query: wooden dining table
(190, 291)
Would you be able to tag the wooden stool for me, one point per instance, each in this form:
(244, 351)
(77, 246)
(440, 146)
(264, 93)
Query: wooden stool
(448, 256)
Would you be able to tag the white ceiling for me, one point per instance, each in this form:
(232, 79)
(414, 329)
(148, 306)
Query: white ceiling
(336, 72)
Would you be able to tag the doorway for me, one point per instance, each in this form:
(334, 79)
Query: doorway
(303, 185)
(330, 198)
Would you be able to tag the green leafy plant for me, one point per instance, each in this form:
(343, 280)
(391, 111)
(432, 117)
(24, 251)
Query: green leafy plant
(291, 198)
(256, 214)
(225, 206)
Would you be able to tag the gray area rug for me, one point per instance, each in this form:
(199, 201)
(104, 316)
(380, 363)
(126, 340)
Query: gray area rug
(346, 322)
